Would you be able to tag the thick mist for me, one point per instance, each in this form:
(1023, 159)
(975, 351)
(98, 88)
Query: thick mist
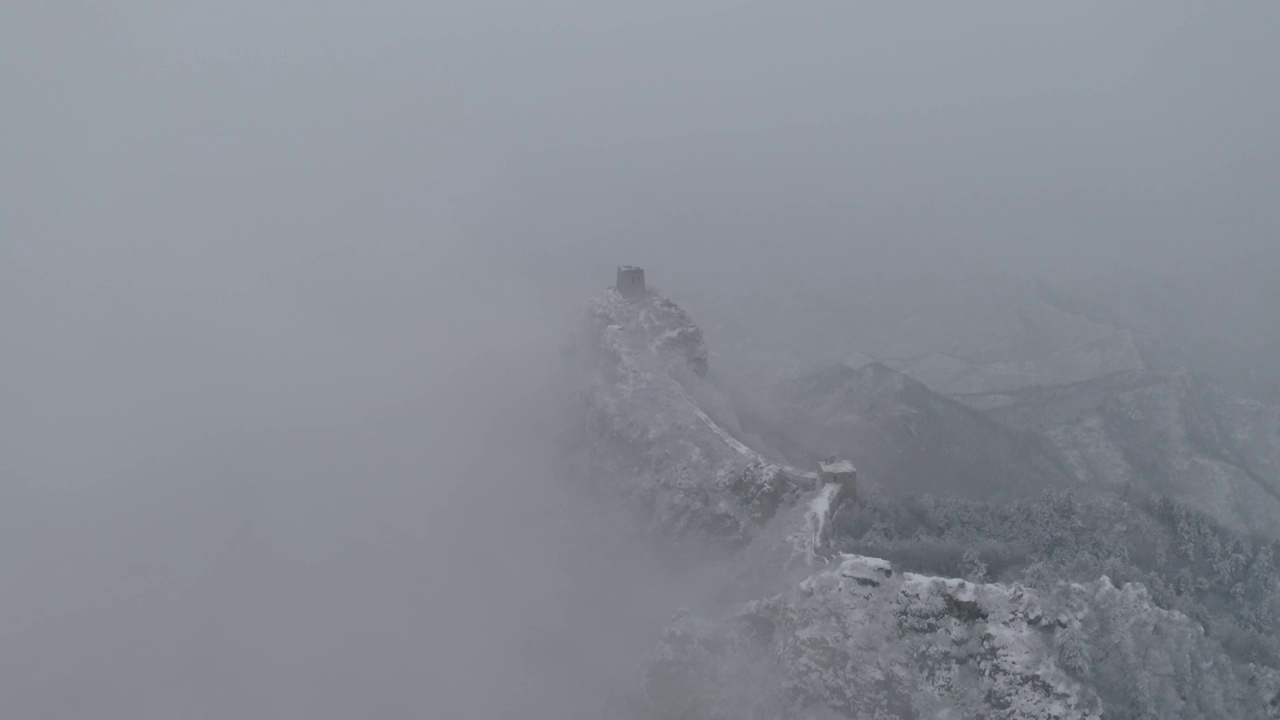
(274, 505)
(282, 291)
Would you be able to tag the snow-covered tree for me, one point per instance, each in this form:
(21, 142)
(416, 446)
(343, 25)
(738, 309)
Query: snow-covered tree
(1073, 651)
(972, 568)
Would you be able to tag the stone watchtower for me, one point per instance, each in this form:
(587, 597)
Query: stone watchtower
(833, 470)
(631, 282)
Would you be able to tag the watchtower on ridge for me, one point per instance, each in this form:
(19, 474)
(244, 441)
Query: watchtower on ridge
(631, 282)
(834, 470)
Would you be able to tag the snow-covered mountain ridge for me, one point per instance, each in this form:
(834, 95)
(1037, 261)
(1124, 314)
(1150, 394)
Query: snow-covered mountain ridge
(804, 631)
(863, 640)
(640, 367)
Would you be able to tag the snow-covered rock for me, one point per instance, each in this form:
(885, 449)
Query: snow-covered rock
(863, 640)
(638, 365)
(1175, 433)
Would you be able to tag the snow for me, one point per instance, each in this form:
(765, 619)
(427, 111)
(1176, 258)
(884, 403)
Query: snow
(846, 634)
(653, 441)
(806, 541)
(736, 445)
(854, 637)
(836, 466)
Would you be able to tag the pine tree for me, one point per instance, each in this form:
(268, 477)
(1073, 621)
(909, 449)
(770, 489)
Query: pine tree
(971, 566)
(1073, 652)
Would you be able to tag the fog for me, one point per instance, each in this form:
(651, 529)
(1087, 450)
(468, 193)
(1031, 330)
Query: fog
(282, 289)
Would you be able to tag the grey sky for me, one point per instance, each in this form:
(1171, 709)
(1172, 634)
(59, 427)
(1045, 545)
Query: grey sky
(997, 134)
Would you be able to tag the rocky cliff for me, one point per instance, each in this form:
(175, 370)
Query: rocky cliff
(863, 640)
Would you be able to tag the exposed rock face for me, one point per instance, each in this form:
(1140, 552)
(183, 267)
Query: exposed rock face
(863, 640)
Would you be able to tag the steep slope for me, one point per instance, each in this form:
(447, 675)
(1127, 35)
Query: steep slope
(864, 640)
(910, 439)
(639, 370)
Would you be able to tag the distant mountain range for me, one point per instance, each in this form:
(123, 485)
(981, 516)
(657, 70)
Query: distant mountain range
(962, 335)
(909, 439)
(1177, 433)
